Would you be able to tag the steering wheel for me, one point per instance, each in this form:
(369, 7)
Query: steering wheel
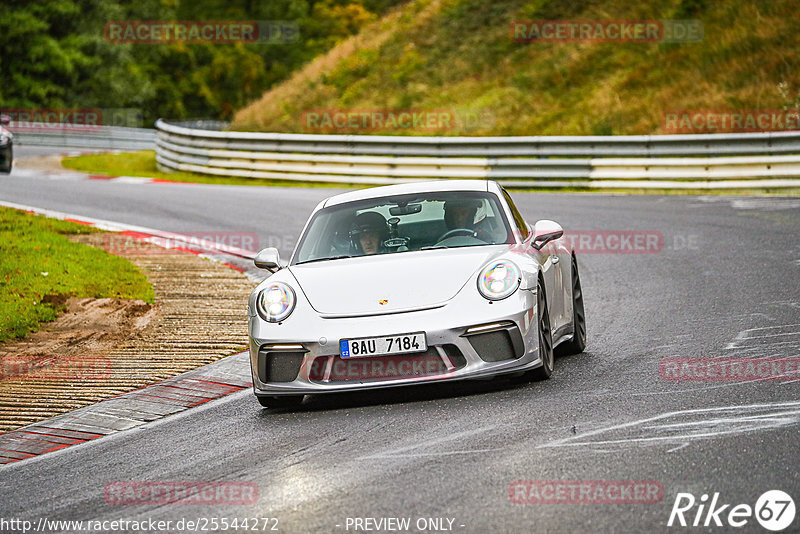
(456, 231)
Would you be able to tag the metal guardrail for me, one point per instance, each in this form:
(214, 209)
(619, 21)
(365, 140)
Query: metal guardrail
(769, 159)
(101, 137)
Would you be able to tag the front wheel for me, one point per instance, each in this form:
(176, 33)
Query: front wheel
(284, 401)
(578, 341)
(545, 338)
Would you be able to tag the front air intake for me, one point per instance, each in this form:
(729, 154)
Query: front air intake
(279, 366)
(499, 345)
(456, 357)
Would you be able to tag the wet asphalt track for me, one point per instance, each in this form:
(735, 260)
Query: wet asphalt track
(724, 285)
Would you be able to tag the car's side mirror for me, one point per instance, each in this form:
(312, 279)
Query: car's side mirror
(5, 120)
(268, 259)
(545, 231)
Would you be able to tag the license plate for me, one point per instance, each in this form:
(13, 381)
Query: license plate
(383, 345)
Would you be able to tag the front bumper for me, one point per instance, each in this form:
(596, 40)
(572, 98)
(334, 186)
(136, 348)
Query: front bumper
(479, 341)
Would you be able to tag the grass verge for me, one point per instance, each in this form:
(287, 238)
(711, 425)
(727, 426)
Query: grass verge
(40, 268)
(143, 164)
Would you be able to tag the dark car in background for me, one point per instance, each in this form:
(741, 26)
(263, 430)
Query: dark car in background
(6, 145)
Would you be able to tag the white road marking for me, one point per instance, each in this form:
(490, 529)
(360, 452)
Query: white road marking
(443, 453)
(130, 180)
(768, 204)
(722, 421)
(679, 447)
(793, 325)
(745, 336)
(398, 452)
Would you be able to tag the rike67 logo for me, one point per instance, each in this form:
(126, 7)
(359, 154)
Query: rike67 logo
(774, 510)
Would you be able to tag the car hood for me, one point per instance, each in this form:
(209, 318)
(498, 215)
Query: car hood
(405, 281)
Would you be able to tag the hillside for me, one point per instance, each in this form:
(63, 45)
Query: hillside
(457, 57)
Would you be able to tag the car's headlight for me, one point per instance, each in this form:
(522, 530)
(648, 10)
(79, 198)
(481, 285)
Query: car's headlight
(498, 280)
(275, 302)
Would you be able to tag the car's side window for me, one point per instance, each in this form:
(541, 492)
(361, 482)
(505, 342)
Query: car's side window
(519, 222)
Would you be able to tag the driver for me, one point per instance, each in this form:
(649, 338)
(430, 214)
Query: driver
(460, 213)
(368, 232)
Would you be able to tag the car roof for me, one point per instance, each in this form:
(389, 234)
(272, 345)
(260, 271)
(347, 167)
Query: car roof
(402, 189)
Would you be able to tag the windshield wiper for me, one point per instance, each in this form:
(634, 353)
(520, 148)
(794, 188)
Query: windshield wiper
(323, 259)
(434, 247)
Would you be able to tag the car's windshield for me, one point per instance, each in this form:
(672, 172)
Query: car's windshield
(393, 225)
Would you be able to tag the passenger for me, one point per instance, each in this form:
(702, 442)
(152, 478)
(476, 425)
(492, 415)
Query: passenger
(368, 232)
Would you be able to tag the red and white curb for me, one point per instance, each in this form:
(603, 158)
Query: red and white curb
(75, 176)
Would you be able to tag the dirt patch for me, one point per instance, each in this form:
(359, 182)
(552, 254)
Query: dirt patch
(87, 327)
(57, 300)
(43, 163)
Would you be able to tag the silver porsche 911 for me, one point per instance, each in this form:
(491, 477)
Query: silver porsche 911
(409, 284)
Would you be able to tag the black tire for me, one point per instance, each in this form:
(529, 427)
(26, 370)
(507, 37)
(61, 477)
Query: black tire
(578, 341)
(9, 159)
(545, 338)
(284, 401)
